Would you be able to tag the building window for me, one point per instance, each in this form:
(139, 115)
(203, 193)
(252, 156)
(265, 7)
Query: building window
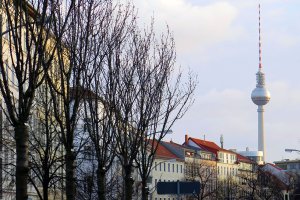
(177, 168)
(13, 75)
(155, 166)
(88, 152)
(159, 166)
(168, 167)
(88, 184)
(24, 42)
(180, 168)
(164, 167)
(7, 28)
(5, 158)
(7, 69)
(221, 157)
(87, 127)
(172, 167)
(286, 197)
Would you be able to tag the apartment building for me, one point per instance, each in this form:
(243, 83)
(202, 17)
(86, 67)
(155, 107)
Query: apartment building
(226, 160)
(199, 165)
(168, 167)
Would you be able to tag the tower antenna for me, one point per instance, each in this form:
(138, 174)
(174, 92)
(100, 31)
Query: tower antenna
(222, 141)
(259, 35)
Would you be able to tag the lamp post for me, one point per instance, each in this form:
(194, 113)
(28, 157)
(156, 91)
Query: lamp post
(291, 150)
(165, 132)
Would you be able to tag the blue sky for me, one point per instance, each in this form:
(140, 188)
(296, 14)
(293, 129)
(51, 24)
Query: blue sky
(218, 40)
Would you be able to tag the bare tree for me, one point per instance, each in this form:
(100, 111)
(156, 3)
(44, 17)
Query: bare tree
(100, 87)
(23, 58)
(204, 171)
(269, 186)
(46, 152)
(249, 185)
(74, 56)
(162, 98)
(263, 185)
(227, 188)
(148, 100)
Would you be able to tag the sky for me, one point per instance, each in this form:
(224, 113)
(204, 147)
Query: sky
(218, 41)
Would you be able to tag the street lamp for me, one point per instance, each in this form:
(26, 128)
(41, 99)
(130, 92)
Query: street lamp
(291, 150)
(165, 132)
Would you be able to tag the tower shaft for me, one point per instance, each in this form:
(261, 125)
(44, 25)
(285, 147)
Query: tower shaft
(261, 131)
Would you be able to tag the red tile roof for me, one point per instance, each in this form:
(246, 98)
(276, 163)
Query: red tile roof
(163, 152)
(208, 145)
(214, 148)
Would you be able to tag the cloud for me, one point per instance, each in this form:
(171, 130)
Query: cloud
(194, 26)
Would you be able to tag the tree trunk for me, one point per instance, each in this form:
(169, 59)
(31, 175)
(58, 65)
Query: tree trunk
(145, 191)
(101, 183)
(45, 192)
(22, 168)
(70, 175)
(128, 182)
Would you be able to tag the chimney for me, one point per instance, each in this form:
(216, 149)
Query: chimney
(186, 139)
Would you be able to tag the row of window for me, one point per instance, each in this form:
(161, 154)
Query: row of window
(7, 30)
(227, 171)
(168, 167)
(194, 170)
(10, 73)
(227, 158)
(294, 166)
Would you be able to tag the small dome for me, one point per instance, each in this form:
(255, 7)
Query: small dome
(260, 96)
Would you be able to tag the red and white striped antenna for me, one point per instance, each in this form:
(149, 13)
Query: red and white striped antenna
(260, 63)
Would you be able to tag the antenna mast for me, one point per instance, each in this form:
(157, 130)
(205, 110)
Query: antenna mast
(259, 32)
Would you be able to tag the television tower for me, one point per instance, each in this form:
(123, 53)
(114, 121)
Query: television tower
(260, 96)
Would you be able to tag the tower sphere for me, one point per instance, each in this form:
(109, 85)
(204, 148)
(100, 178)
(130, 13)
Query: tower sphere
(260, 96)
